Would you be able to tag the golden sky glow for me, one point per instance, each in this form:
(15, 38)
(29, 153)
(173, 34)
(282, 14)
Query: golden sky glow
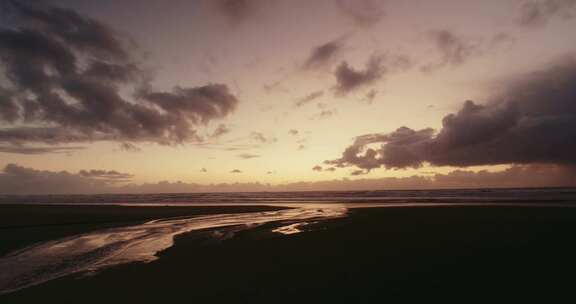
(260, 57)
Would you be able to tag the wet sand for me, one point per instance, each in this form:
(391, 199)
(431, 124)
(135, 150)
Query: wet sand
(23, 225)
(464, 253)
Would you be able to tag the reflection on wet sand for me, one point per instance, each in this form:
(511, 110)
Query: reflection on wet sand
(290, 229)
(91, 252)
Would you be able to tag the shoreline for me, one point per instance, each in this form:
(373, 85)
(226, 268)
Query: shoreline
(23, 225)
(373, 253)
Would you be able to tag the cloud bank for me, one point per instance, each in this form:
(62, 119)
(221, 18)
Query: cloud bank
(15, 179)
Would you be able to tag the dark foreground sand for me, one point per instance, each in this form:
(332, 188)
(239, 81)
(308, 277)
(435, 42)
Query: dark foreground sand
(467, 254)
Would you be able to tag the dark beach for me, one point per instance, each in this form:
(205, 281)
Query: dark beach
(372, 255)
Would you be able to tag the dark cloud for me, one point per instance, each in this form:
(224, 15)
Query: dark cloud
(349, 79)
(235, 171)
(322, 55)
(399, 149)
(37, 150)
(49, 135)
(538, 13)
(293, 132)
(454, 49)
(105, 174)
(203, 170)
(363, 13)
(317, 168)
(247, 156)
(309, 98)
(65, 76)
(531, 120)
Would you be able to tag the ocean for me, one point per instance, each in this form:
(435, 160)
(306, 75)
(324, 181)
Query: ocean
(519, 195)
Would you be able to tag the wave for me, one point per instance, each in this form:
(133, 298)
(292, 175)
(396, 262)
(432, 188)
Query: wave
(393, 196)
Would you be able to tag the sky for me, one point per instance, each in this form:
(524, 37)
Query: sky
(265, 95)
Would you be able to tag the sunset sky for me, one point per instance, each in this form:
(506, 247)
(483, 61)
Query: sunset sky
(121, 93)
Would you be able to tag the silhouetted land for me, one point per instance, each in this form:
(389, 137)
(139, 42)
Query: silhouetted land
(469, 254)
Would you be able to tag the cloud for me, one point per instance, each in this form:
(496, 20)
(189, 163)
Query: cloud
(502, 39)
(15, 179)
(532, 120)
(236, 11)
(110, 174)
(514, 177)
(317, 168)
(324, 114)
(65, 76)
(309, 98)
(349, 79)
(293, 132)
(220, 130)
(261, 138)
(235, 171)
(128, 147)
(37, 150)
(363, 13)
(454, 49)
(203, 170)
(324, 54)
(370, 96)
(400, 149)
(275, 87)
(247, 156)
(534, 14)
(358, 172)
